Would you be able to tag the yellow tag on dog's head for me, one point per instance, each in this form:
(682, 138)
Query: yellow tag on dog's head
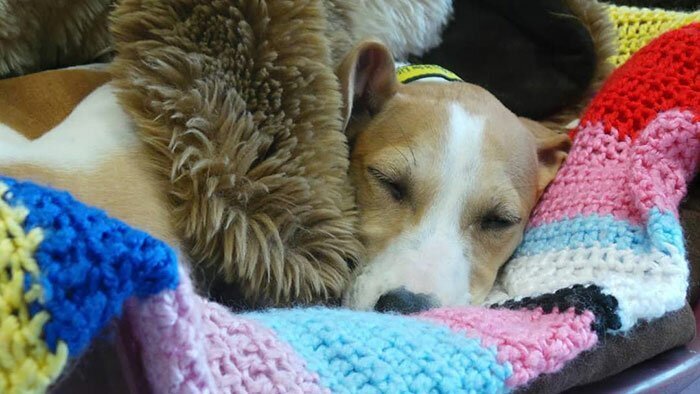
(414, 72)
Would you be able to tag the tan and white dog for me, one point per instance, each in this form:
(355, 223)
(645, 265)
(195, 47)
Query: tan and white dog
(65, 129)
(446, 177)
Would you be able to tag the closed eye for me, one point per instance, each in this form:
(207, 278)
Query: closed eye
(499, 221)
(395, 188)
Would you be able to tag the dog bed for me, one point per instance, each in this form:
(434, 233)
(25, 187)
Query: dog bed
(602, 269)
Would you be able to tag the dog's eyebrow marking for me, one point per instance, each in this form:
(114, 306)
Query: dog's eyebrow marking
(405, 137)
(396, 148)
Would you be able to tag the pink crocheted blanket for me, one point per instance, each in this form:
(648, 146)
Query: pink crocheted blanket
(603, 252)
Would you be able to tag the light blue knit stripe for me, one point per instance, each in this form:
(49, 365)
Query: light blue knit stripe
(665, 232)
(363, 352)
(662, 230)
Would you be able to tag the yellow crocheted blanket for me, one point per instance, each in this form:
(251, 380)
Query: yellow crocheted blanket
(26, 363)
(637, 26)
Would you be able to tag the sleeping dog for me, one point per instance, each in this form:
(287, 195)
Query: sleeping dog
(446, 177)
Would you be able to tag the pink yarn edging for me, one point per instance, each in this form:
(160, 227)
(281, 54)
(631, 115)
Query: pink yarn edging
(604, 175)
(191, 345)
(172, 346)
(533, 342)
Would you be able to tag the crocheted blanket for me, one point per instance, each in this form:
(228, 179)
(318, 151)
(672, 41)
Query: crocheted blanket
(65, 272)
(603, 253)
(66, 269)
(636, 26)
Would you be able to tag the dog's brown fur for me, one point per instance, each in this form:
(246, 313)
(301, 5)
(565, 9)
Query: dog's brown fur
(28, 108)
(142, 207)
(120, 183)
(401, 131)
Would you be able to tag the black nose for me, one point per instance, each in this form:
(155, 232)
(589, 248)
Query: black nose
(403, 301)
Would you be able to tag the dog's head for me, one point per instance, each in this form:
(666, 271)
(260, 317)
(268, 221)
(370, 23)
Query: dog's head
(446, 178)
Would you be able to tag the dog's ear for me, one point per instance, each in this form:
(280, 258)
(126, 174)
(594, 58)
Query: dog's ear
(552, 150)
(368, 79)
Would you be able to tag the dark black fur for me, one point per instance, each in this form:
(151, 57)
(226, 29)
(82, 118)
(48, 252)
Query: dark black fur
(533, 55)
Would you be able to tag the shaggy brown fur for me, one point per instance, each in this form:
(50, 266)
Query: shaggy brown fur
(241, 109)
(37, 35)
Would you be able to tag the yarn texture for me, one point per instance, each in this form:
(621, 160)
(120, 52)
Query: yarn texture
(603, 251)
(26, 363)
(65, 271)
(636, 27)
(190, 344)
(610, 217)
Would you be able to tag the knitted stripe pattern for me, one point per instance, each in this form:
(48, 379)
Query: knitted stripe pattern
(636, 27)
(26, 363)
(65, 271)
(191, 345)
(603, 250)
(610, 216)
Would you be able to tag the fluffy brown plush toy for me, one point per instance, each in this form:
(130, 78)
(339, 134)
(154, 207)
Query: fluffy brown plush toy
(37, 35)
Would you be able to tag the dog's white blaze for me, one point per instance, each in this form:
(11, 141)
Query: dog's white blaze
(432, 258)
(97, 128)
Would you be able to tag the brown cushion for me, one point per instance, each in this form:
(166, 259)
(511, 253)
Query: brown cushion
(690, 219)
(616, 353)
